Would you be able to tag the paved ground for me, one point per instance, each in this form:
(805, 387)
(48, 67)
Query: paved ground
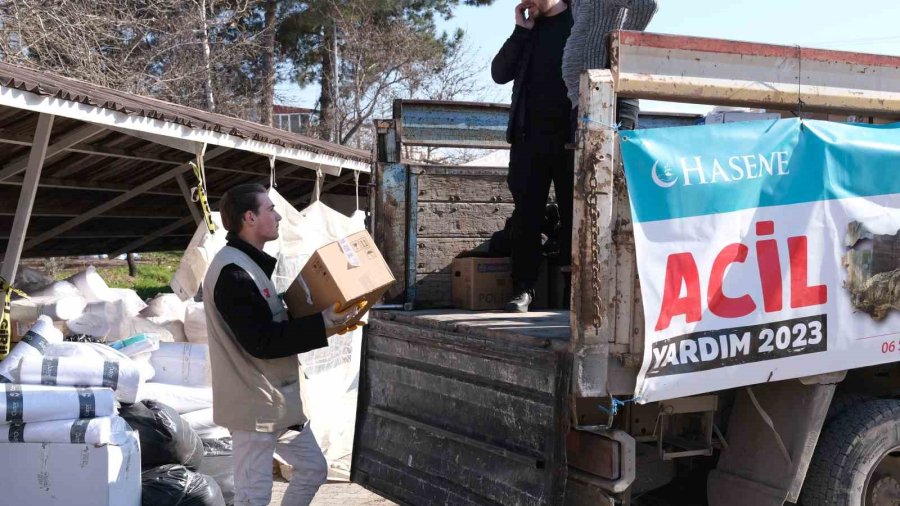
(335, 494)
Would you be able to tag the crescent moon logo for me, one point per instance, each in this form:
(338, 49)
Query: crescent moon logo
(659, 182)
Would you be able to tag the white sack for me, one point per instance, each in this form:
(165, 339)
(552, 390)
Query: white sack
(33, 345)
(165, 305)
(57, 308)
(117, 315)
(197, 257)
(92, 286)
(57, 290)
(90, 325)
(181, 398)
(202, 423)
(97, 431)
(31, 280)
(132, 302)
(195, 323)
(93, 351)
(123, 376)
(175, 327)
(39, 403)
(182, 364)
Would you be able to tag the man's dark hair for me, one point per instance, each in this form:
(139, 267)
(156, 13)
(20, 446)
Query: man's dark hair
(237, 201)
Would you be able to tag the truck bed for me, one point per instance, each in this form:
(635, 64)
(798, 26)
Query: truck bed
(523, 327)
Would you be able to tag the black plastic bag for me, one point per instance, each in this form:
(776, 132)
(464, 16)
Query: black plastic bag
(166, 438)
(218, 463)
(174, 485)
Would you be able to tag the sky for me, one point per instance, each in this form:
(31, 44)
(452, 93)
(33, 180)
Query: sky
(869, 26)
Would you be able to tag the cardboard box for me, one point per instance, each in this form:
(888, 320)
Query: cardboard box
(52, 474)
(19, 328)
(479, 284)
(349, 271)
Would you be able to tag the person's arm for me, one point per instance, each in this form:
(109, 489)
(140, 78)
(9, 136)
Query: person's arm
(504, 65)
(247, 314)
(640, 12)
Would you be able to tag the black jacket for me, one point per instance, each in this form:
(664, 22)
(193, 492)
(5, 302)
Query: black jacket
(510, 64)
(248, 315)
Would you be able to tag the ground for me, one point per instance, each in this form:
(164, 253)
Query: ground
(335, 494)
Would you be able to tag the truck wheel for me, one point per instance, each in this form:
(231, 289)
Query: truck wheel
(857, 459)
(843, 402)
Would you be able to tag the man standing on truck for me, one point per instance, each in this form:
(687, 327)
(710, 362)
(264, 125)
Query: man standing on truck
(253, 347)
(538, 129)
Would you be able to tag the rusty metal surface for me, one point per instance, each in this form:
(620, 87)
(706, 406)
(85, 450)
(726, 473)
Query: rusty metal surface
(452, 124)
(390, 224)
(455, 418)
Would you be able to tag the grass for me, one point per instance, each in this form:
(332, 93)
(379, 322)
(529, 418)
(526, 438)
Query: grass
(154, 271)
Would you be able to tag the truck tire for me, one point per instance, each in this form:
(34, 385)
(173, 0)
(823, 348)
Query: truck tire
(843, 402)
(857, 459)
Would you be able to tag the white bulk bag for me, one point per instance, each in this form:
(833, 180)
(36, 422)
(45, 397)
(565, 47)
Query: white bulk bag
(182, 364)
(195, 323)
(57, 308)
(181, 398)
(132, 303)
(92, 286)
(33, 344)
(165, 305)
(96, 431)
(39, 403)
(122, 376)
(197, 257)
(57, 290)
(174, 327)
(89, 324)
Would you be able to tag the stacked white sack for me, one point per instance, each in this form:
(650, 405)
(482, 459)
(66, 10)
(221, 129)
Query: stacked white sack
(32, 345)
(40, 403)
(165, 305)
(56, 308)
(124, 377)
(92, 286)
(182, 364)
(97, 431)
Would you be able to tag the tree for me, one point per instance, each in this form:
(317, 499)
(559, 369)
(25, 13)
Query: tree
(358, 50)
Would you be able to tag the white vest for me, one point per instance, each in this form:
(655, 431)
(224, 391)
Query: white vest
(249, 394)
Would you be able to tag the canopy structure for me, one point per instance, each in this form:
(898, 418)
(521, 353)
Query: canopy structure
(89, 170)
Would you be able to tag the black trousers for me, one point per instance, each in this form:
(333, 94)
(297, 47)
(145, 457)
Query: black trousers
(534, 162)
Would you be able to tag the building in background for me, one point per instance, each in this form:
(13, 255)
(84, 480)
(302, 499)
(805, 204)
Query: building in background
(293, 119)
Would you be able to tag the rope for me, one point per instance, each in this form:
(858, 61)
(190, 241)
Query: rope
(616, 404)
(199, 192)
(799, 81)
(768, 421)
(614, 128)
(5, 324)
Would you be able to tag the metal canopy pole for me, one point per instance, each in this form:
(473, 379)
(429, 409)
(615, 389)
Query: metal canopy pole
(26, 197)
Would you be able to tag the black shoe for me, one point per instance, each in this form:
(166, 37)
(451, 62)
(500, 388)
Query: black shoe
(520, 302)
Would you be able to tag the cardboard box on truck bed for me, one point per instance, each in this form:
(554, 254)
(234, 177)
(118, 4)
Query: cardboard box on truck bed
(349, 271)
(479, 284)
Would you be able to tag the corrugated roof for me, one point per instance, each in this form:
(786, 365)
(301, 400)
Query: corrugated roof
(48, 84)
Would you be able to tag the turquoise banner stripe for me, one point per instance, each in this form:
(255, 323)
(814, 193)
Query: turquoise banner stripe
(709, 169)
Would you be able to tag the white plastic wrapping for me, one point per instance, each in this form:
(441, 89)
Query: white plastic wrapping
(132, 302)
(40, 403)
(202, 423)
(195, 323)
(97, 431)
(123, 376)
(90, 325)
(57, 289)
(182, 364)
(92, 286)
(181, 398)
(33, 344)
(57, 308)
(175, 327)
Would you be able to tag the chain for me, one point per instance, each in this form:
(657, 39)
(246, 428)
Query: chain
(594, 223)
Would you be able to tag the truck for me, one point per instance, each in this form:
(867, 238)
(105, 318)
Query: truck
(463, 407)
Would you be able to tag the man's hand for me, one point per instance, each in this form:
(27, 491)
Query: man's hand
(335, 319)
(520, 15)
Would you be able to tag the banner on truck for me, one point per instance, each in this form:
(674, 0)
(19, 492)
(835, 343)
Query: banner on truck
(766, 250)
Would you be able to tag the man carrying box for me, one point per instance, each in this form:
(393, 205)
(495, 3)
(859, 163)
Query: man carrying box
(253, 347)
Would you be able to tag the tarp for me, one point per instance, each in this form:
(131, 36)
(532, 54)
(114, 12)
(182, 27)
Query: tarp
(766, 250)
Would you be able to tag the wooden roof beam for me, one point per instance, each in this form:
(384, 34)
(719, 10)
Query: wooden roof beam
(68, 140)
(164, 231)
